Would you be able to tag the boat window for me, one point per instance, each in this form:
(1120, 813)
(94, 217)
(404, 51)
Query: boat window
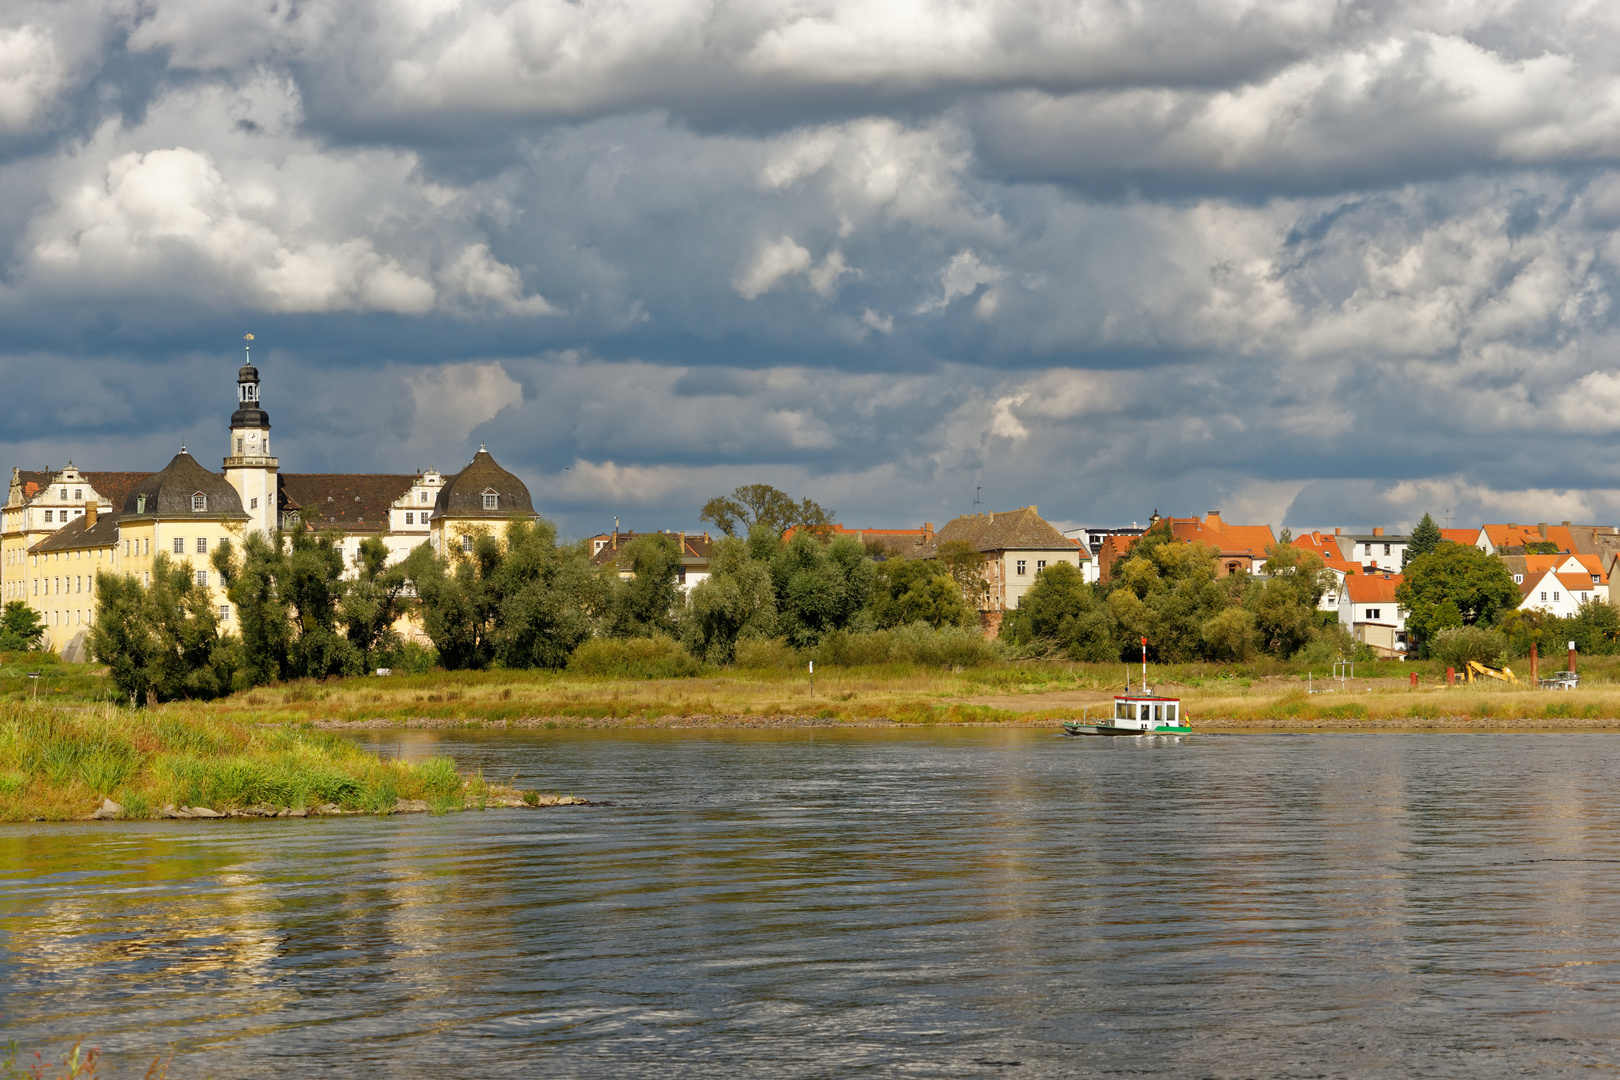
(1122, 710)
(1147, 712)
(1170, 713)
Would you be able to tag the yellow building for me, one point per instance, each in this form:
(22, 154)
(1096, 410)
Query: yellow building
(59, 528)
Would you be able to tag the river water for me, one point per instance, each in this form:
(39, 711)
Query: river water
(928, 903)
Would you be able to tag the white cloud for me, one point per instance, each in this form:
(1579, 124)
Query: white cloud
(31, 75)
(774, 262)
(452, 400)
(962, 276)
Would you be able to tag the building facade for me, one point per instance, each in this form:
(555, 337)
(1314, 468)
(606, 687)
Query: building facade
(60, 528)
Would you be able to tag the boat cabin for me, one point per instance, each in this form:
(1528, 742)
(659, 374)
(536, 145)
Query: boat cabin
(1146, 711)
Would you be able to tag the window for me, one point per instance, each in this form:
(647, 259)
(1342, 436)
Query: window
(48, 518)
(466, 543)
(1373, 613)
(202, 545)
(491, 502)
(224, 613)
(1595, 579)
(1021, 565)
(1040, 565)
(78, 494)
(199, 503)
(421, 496)
(1544, 597)
(1386, 549)
(1555, 596)
(78, 584)
(202, 578)
(410, 518)
(239, 444)
(1369, 549)
(253, 504)
(64, 493)
(1518, 579)
(179, 545)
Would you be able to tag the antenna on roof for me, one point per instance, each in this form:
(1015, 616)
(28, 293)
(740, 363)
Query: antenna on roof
(976, 491)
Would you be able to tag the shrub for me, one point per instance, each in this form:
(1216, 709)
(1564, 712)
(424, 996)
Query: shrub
(918, 644)
(1460, 644)
(759, 654)
(634, 658)
(410, 658)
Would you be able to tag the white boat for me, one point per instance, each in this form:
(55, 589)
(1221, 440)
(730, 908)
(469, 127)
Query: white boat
(1136, 714)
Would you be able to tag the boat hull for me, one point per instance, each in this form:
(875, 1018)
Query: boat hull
(1109, 729)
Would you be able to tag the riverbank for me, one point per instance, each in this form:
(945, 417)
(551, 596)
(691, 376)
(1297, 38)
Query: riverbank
(107, 763)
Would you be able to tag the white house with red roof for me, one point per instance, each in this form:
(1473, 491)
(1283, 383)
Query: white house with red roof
(1367, 609)
(1557, 594)
(1326, 546)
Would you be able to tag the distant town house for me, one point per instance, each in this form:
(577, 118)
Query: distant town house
(1555, 593)
(608, 549)
(1367, 609)
(1239, 549)
(1017, 545)
(1326, 547)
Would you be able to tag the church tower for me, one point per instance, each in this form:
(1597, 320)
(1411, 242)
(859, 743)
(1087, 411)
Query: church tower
(248, 464)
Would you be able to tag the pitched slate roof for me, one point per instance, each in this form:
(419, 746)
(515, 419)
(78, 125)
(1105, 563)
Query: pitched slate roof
(1003, 530)
(168, 493)
(347, 502)
(112, 486)
(78, 533)
(463, 493)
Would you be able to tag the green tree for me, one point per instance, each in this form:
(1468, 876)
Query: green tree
(1061, 608)
(162, 641)
(1454, 585)
(820, 587)
(762, 504)
(1166, 591)
(21, 627)
(966, 565)
(650, 602)
(1283, 603)
(372, 603)
(737, 601)
(1425, 538)
(905, 591)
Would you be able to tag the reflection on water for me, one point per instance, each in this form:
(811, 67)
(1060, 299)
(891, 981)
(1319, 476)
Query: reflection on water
(934, 903)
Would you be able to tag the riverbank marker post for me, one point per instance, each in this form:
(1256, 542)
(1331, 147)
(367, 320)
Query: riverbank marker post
(1144, 666)
(33, 677)
(1572, 658)
(812, 678)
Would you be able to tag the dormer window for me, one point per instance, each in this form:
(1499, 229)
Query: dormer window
(199, 503)
(140, 504)
(492, 501)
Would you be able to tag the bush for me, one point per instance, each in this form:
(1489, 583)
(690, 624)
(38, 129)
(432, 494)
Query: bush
(760, 654)
(918, 644)
(634, 658)
(410, 658)
(1460, 644)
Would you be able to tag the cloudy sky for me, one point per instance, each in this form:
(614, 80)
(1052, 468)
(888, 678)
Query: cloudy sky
(1307, 262)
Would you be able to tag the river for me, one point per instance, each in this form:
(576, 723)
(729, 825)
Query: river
(920, 903)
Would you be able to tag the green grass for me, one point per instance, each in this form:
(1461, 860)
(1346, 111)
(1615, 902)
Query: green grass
(57, 764)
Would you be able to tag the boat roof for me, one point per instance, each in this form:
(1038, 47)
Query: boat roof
(1143, 697)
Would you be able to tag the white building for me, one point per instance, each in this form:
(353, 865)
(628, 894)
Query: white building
(1367, 609)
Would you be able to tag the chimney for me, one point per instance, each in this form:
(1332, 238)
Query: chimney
(1542, 529)
(1566, 524)
(1034, 509)
(1214, 518)
(928, 530)
(90, 514)
(1337, 530)
(1512, 525)
(1378, 530)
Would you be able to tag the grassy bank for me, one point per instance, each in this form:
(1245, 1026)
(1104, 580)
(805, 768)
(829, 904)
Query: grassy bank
(1263, 694)
(58, 764)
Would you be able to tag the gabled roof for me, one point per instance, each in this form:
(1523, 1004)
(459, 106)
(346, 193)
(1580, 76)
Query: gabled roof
(1228, 540)
(78, 534)
(607, 548)
(463, 493)
(1466, 537)
(1577, 582)
(1004, 530)
(114, 487)
(1372, 588)
(1326, 546)
(1518, 536)
(347, 502)
(168, 494)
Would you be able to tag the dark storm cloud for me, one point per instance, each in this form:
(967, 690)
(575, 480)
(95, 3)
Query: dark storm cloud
(1299, 262)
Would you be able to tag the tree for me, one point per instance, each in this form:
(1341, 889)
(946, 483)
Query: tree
(373, 603)
(1284, 603)
(163, 641)
(21, 628)
(649, 603)
(905, 591)
(820, 587)
(1166, 591)
(1454, 585)
(736, 601)
(966, 565)
(1061, 608)
(762, 504)
(1425, 538)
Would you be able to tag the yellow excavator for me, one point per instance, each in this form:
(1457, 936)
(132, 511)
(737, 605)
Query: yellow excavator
(1476, 668)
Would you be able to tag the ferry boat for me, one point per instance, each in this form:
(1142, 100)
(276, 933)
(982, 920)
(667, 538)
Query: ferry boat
(1136, 714)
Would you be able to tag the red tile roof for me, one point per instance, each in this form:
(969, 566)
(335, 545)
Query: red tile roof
(1372, 588)
(1228, 540)
(1460, 536)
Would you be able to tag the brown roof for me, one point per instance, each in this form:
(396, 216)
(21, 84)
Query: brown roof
(168, 494)
(464, 492)
(348, 502)
(78, 533)
(694, 546)
(112, 486)
(1003, 530)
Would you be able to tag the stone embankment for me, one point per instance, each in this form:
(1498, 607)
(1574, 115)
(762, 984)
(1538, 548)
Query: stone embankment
(529, 800)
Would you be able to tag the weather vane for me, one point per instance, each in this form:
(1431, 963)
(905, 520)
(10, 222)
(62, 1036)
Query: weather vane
(248, 348)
